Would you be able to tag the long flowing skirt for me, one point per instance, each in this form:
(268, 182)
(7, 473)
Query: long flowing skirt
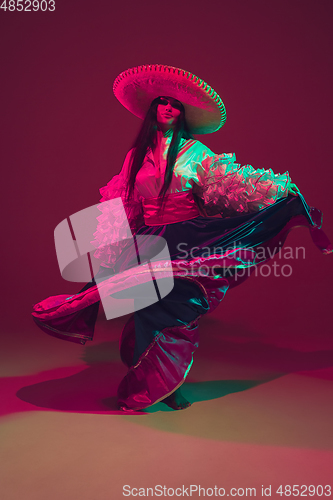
(204, 260)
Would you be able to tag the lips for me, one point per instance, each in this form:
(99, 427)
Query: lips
(167, 116)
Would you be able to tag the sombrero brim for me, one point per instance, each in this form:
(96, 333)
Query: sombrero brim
(137, 87)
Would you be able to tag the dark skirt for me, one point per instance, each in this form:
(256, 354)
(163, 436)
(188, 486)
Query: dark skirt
(206, 255)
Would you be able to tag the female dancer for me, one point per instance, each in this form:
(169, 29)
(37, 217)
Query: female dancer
(173, 193)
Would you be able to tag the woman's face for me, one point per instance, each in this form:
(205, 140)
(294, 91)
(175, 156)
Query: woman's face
(167, 113)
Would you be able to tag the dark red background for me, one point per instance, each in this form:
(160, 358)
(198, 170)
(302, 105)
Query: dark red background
(64, 135)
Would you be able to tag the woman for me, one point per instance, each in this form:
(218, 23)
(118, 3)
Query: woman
(171, 193)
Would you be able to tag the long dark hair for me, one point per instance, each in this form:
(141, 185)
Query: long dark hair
(146, 138)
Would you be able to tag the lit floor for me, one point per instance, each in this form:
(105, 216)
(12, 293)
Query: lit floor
(261, 416)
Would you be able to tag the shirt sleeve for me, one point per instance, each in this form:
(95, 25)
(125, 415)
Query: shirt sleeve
(119, 219)
(230, 189)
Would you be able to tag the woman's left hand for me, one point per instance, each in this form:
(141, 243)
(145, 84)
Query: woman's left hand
(293, 189)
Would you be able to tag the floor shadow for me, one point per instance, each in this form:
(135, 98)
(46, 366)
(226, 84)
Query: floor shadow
(195, 392)
(92, 389)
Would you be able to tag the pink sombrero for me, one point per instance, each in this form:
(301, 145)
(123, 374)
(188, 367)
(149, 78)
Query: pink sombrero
(137, 87)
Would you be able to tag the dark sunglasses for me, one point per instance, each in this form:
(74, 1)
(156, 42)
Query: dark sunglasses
(169, 100)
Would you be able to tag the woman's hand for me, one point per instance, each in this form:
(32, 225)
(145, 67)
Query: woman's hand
(293, 189)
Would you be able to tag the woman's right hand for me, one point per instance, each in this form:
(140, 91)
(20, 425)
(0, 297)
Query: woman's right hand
(293, 189)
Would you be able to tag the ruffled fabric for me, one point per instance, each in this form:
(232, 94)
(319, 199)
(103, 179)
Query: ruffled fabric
(228, 188)
(119, 220)
(172, 325)
(159, 342)
(219, 184)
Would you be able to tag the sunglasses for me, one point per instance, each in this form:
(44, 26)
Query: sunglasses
(169, 100)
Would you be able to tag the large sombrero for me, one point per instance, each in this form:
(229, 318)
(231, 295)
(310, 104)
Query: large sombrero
(137, 87)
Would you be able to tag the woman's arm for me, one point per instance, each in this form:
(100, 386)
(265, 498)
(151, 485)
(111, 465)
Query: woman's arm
(119, 219)
(228, 188)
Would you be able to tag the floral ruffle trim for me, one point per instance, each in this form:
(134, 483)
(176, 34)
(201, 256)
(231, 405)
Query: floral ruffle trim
(230, 188)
